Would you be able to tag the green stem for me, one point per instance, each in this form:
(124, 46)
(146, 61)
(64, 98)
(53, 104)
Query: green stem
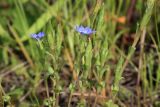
(40, 44)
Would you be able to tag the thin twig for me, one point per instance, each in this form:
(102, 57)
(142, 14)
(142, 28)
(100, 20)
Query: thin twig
(141, 54)
(70, 98)
(130, 55)
(13, 69)
(23, 49)
(95, 102)
(27, 94)
(88, 95)
(142, 39)
(131, 10)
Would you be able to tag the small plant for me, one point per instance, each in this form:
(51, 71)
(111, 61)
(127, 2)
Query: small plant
(111, 58)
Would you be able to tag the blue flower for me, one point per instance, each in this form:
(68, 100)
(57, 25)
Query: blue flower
(84, 30)
(38, 36)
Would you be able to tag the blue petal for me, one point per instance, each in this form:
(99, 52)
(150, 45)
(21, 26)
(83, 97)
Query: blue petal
(84, 30)
(34, 36)
(80, 29)
(40, 34)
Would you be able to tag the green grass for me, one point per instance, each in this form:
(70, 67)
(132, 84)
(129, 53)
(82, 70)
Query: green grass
(85, 71)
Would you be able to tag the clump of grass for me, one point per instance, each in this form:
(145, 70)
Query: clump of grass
(68, 68)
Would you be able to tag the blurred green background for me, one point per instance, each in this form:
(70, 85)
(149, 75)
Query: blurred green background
(118, 66)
